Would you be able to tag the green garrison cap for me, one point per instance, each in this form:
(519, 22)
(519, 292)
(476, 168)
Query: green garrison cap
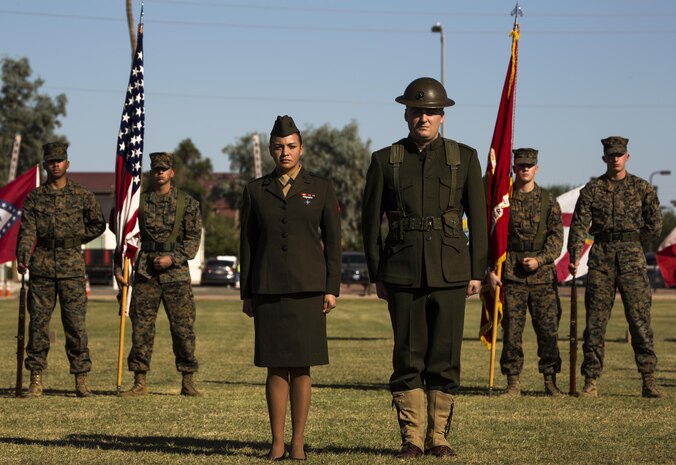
(55, 151)
(161, 160)
(526, 156)
(284, 126)
(614, 144)
(425, 92)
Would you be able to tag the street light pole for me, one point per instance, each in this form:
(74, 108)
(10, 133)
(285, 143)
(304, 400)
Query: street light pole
(438, 28)
(661, 172)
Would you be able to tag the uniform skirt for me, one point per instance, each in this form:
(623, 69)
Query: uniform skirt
(290, 330)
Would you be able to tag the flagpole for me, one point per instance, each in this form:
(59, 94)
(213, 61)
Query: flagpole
(508, 94)
(494, 330)
(123, 318)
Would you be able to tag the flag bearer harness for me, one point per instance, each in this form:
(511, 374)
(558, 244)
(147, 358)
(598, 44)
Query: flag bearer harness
(148, 243)
(525, 249)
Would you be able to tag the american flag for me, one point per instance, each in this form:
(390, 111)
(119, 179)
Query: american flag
(129, 156)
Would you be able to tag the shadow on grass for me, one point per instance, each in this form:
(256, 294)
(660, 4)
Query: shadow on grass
(71, 393)
(340, 338)
(174, 445)
(349, 386)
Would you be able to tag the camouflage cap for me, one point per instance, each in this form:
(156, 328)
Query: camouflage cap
(525, 156)
(614, 144)
(55, 151)
(161, 160)
(284, 126)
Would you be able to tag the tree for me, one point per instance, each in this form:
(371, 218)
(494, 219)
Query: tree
(221, 235)
(337, 154)
(25, 111)
(558, 189)
(668, 224)
(193, 173)
(341, 156)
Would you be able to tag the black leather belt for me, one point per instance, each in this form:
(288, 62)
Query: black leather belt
(425, 223)
(68, 243)
(617, 236)
(150, 246)
(521, 246)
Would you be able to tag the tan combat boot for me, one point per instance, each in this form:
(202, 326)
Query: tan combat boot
(439, 415)
(550, 386)
(139, 388)
(513, 387)
(82, 388)
(589, 389)
(188, 386)
(649, 389)
(35, 388)
(410, 407)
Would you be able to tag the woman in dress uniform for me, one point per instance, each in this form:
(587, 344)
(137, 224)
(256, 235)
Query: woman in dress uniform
(290, 258)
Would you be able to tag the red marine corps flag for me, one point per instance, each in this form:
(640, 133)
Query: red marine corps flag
(128, 180)
(498, 190)
(12, 196)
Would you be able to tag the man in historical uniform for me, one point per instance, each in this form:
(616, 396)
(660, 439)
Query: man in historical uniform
(619, 210)
(58, 217)
(534, 241)
(425, 268)
(171, 229)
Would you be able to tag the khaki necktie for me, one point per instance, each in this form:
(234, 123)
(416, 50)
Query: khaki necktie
(286, 182)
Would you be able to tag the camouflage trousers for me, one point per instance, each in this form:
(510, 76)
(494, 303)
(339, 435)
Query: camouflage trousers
(598, 299)
(177, 298)
(545, 309)
(42, 296)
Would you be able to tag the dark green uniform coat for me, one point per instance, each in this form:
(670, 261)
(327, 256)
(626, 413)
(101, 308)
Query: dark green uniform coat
(290, 244)
(426, 272)
(447, 257)
(290, 256)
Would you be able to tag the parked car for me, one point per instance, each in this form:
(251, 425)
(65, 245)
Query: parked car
(354, 269)
(219, 272)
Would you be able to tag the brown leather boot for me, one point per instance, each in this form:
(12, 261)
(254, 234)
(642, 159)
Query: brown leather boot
(649, 389)
(439, 415)
(550, 386)
(410, 407)
(590, 389)
(513, 387)
(188, 386)
(82, 388)
(35, 388)
(139, 388)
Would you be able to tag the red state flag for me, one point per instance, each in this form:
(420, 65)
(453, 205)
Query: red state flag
(12, 197)
(498, 189)
(666, 259)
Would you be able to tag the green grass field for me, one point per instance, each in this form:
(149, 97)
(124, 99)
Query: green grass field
(351, 420)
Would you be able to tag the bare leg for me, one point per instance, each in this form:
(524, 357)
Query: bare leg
(276, 394)
(301, 392)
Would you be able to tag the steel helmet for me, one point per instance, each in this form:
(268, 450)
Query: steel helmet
(425, 92)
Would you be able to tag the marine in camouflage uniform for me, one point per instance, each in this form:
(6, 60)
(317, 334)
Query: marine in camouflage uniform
(58, 217)
(535, 240)
(162, 275)
(619, 210)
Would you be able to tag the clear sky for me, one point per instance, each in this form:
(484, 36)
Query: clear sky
(216, 70)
